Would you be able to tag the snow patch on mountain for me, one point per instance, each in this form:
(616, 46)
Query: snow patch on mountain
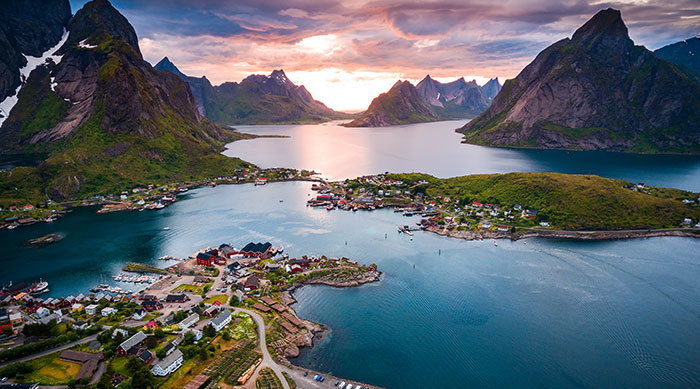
(32, 63)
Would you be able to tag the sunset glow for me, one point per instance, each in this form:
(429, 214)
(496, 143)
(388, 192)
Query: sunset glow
(346, 53)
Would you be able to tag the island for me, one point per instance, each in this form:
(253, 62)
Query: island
(521, 205)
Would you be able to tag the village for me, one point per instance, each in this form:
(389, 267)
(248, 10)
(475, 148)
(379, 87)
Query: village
(439, 214)
(455, 217)
(141, 198)
(195, 324)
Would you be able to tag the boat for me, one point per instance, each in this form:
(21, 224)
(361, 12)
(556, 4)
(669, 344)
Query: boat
(330, 207)
(495, 243)
(166, 228)
(12, 226)
(41, 287)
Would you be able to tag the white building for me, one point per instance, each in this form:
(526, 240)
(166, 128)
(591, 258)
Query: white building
(169, 364)
(189, 321)
(91, 309)
(221, 320)
(106, 311)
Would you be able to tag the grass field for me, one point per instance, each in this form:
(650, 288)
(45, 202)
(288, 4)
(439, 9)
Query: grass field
(222, 298)
(50, 370)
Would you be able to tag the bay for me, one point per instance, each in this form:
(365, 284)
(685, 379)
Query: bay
(338, 153)
(531, 313)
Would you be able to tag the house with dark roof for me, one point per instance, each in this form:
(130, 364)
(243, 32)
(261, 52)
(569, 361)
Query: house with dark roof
(151, 305)
(136, 340)
(168, 364)
(177, 298)
(256, 250)
(251, 283)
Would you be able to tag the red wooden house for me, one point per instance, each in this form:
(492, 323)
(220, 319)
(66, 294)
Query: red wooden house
(206, 259)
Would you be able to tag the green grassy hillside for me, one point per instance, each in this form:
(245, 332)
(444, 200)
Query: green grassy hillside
(568, 201)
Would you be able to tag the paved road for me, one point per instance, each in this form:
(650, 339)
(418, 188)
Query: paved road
(267, 358)
(51, 351)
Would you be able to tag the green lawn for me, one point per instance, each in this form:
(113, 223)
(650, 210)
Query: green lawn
(50, 370)
(222, 298)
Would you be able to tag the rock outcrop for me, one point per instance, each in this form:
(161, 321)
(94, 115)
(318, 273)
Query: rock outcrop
(595, 91)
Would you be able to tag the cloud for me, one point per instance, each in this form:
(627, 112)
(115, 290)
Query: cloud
(227, 40)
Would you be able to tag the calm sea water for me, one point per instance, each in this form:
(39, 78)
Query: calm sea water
(434, 148)
(447, 313)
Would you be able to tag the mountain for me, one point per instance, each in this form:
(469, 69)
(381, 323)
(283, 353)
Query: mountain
(257, 99)
(28, 28)
(685, 55)
(104, 119)
(201, 88)
(402, 104)
(595, 91)
(491, 89)
(431, 101)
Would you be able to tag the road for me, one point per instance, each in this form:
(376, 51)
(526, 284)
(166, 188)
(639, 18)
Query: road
(51, 351)
(267, 358)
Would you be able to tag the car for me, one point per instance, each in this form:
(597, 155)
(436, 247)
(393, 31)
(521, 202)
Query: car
(306, 373)
(3, 379)
(336, 383)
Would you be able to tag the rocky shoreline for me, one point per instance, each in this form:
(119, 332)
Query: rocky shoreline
(561, 234)
(315, 331)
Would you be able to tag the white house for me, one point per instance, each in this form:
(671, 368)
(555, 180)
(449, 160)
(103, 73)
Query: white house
(106, 311)
(43, 312)
(221, 320)
(91, 309)
(169, 364)
(189, 321)
(139, 314)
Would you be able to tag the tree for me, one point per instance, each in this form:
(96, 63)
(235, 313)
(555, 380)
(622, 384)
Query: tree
(226, 335)
(188, 339)
(203, 354)
(151, 342)
(161, 353)
(209, 331)
(159, 334)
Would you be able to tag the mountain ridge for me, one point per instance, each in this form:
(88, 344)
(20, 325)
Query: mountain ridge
(257, 99)
(594, 91)
(428, 101)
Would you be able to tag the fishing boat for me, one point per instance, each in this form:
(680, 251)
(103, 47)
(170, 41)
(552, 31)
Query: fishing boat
(41, 287)
(166, 228)
(12, 226)
(330, 207)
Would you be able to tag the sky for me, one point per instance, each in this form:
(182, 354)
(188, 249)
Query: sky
(347, 52)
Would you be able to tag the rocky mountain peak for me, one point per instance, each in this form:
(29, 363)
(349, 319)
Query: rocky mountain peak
(279, 76)
(99, 20)
(167, 66)
(605, 32)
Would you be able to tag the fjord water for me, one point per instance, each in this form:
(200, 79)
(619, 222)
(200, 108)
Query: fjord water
(338, 152)
(531, 313)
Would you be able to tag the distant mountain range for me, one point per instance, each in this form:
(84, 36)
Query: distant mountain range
(428, 101)
(596, 91)
(257, 99)
(685, 55)
(101, 117)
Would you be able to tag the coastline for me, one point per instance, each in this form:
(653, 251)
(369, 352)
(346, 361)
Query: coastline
(573, 235)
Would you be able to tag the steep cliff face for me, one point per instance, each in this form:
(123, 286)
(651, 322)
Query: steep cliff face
(402, 104)
(106, 118)
(258, 99)
(594, 91)
(685, 55)
(455, 100)
(27, 28)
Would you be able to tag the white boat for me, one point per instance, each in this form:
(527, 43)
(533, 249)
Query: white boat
(166, 228)
(12, 226)
(41, 287)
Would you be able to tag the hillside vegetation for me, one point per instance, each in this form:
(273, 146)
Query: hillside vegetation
(568, 201)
